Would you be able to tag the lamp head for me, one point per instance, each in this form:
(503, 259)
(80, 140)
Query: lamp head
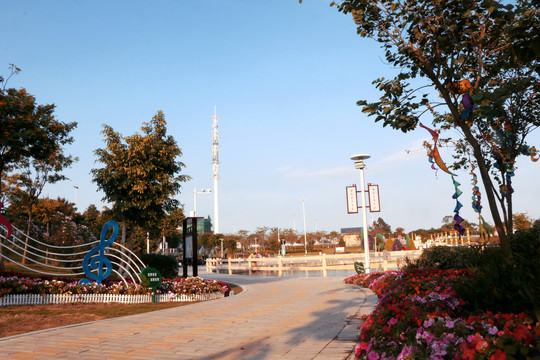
(359, 160)
(358, 157)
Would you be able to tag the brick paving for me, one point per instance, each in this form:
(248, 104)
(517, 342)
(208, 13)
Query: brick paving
(274, 318)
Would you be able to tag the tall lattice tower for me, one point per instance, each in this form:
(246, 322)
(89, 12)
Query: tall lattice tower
(215, 168)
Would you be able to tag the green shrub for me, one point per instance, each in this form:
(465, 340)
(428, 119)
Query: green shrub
(446, 258)
(167, 265)
(499, 284)
(507, 285)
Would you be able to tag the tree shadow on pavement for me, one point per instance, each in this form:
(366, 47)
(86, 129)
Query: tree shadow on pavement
(330, 334)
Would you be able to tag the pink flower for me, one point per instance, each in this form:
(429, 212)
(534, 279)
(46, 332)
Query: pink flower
(428, 337)
(357, 349)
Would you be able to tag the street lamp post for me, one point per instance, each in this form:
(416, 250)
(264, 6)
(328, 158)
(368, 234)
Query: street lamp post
(359, 164)
(195, 192)
(76, 188)
(305, 234)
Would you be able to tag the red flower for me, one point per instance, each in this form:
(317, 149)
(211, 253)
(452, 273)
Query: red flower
(468, 354)
(499, 355)
(481, 346)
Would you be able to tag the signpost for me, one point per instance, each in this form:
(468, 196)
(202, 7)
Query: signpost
(151, 277)
(352, 199)
(189, 241)
(352, 208)
(374, 204)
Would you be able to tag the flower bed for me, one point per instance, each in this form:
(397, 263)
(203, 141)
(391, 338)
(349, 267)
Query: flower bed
(179, 289)
(421, 316)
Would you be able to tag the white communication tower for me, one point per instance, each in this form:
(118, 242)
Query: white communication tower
(215, 168)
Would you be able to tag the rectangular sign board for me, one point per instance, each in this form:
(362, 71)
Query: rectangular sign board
(189, 247)
(374, 204)
(352, 200)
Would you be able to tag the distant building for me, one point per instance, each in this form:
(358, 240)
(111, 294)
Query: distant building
(352, 236)
(354, 230)
(204, 226)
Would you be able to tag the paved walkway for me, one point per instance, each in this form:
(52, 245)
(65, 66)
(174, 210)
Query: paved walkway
(274, 318)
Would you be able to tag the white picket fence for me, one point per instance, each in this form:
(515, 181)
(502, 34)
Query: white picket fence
(37, 299)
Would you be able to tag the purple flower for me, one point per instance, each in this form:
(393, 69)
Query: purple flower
(428, 323)
(439, 348)
(427, 336)
(405, 352)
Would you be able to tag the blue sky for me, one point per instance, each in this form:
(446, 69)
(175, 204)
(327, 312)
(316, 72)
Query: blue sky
(284, 78)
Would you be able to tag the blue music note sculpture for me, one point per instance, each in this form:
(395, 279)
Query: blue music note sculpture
(100, 261)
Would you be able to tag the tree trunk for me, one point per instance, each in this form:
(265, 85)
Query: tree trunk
(484, 172)
(131, 233)
(27, 234)
(124, 230)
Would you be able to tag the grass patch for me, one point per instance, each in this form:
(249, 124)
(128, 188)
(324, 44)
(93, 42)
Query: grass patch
(26, 318)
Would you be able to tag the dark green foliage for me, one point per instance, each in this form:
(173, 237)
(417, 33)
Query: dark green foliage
(29, 131)
(499, 284)
(167, 265)
(509, 285)
(435, 44)
(446, 257)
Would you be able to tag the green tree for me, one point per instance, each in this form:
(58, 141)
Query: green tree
(261, 234)
(29, 133)
(380, 227)
(229, 244)
(399, 231)
(141, 174)
(31, 179)
(447, 224)
(93, 220)
(437, 45)
(522, 221)
(243, 236)
(290, 236)
(28, 130)
(169, 227)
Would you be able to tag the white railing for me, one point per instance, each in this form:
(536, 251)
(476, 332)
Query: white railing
(37, 299)
(323, 263)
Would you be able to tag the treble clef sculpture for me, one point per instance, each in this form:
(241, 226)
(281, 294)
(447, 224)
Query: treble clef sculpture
(100, 261)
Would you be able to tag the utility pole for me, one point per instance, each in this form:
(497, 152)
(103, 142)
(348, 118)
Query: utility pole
(305, 232)
(215, 169)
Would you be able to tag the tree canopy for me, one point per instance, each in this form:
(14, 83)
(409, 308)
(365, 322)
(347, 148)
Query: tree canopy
(471, 68)
(141, 172)
(29, 132)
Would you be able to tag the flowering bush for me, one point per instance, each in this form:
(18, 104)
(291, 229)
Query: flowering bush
(179, 286)
(421, 316)
(192, 286)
